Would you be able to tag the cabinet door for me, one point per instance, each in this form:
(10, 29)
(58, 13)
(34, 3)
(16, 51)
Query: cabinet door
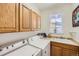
(34, 21)
(68, 52)
(56, 51)
(61, 49)
(73, 53)
(25, 18)
(38, 22)
(8, 17)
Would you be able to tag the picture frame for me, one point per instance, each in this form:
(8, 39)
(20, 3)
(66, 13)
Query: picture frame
(75, 17)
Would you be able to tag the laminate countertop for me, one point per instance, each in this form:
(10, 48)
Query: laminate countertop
(65, 41)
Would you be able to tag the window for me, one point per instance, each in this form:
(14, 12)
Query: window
(55, 24)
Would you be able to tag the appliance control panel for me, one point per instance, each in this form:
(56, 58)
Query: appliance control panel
(12, 47)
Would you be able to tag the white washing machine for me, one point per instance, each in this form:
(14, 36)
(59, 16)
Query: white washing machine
(20, 49)
(42, 44)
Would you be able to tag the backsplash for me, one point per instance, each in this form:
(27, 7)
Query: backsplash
(75, 36)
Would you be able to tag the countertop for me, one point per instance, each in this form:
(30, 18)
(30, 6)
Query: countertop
(65, 41)
(66, 36)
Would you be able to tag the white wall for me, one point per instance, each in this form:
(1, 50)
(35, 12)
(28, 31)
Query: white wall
(66, 11)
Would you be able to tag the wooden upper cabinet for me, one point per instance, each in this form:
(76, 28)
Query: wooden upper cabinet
(25, 18)
(34, 21)
(8, 17)
(16, 17)
(38, 22)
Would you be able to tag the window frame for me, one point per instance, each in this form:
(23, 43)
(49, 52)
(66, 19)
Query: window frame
(55, 30)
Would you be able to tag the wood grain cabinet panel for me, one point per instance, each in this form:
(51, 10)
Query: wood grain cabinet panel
(38, 22)
(8, 17)
(34, 21)
(16, 17)
(56, 51)
(61, 49)
(25, 18)
(68, 52)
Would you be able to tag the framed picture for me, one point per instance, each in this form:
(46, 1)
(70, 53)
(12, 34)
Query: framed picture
(75, 17)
